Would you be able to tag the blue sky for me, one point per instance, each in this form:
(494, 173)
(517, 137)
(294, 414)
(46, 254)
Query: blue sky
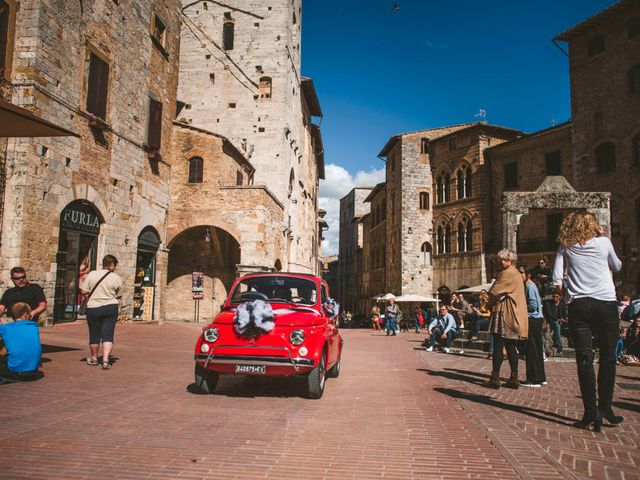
(380, 71)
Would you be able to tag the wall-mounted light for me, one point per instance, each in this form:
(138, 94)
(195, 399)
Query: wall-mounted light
(207, 235)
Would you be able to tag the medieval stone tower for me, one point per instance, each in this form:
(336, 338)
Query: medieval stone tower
(240, 77)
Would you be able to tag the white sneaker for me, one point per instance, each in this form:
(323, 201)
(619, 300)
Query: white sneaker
(429, 349)
(446, 350)
(543, 383)
(461, 352)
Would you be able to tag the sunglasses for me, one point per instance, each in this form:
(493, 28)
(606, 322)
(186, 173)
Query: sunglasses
(15, 279)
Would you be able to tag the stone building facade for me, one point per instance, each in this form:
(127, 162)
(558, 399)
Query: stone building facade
(70, 200)
(521, 165)
(374, 249)
(240, 77)
(219, 221)
(352, 209)
(604, 68)
(437, 188)
(462, 206)
(165, 197)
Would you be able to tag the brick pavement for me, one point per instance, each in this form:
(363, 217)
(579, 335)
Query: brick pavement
(395, 412)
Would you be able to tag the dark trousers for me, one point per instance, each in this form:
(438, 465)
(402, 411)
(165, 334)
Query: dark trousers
(499, 343)
(102, 323)
(435, 337)
(589, 317)
(534, 355)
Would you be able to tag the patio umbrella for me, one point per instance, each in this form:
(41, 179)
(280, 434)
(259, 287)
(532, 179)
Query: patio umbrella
(412, 297)
(388, 296)
(477, 288)
(377, 297)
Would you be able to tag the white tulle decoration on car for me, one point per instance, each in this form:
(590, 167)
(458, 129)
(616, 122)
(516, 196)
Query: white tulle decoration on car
(331, 307)
(253, 318)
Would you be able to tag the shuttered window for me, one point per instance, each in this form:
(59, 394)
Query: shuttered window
(227, 35)
(154, 132)
(195, 170)
(98, 88)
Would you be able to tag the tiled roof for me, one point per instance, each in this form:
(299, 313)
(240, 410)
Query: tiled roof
(596, 19)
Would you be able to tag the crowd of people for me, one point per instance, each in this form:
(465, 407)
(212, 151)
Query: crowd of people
(20, 347)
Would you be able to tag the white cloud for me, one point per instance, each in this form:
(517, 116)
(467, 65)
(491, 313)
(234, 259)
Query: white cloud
(337, 183)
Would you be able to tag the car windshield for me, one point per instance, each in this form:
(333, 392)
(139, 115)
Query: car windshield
(274, 288)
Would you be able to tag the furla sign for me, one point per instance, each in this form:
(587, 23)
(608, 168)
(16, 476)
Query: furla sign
(80, 217)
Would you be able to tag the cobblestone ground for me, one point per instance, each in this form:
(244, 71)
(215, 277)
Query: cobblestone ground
(395, 412)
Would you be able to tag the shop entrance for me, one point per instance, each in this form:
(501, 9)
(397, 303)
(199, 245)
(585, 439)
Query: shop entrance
(144, 288)
(77, 251)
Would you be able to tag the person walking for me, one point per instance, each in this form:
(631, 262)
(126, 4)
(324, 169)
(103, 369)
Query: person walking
(583, 262)
(536, 376)
(509, 322)
(392, 314)
(104, 289)
(375, 318)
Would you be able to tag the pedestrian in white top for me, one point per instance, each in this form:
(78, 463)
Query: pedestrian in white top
(583, 267)
(104, 288)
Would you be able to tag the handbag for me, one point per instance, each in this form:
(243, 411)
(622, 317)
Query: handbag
(82, 309)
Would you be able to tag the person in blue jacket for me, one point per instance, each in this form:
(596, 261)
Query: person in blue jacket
(22, 342)
(443, 327)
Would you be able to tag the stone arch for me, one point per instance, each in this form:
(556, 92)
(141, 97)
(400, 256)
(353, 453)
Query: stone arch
(210, 250)
(191, 221)
(81, 191)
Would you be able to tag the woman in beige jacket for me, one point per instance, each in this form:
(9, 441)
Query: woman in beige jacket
(509, 320)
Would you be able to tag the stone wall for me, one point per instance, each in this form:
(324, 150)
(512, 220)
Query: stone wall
(107, 167)
(604, 109)
(221, 90)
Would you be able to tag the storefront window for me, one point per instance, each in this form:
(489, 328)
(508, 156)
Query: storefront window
(77, 249)
(145, 280)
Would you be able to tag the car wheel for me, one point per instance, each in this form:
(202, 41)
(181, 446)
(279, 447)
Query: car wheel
(316, 378)
(206, 381)
(334, 371)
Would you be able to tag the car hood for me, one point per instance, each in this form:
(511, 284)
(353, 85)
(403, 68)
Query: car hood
(283, 316)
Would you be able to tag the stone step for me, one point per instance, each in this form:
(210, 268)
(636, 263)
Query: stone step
(484, 335)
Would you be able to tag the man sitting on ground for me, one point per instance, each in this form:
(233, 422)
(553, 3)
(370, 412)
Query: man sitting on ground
(443, 327)
(22, 341)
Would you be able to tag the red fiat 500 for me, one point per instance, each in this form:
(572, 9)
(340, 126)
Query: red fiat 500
(272, 324)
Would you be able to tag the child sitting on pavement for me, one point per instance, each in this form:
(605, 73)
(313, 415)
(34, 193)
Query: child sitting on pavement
(22, 342)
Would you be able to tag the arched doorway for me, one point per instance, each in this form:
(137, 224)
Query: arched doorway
(80, 224)
(144, 287)
(206, 249)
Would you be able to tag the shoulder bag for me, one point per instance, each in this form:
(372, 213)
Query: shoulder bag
(82, 309)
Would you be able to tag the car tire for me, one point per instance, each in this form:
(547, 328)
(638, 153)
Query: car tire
(334, 371)
(316, 379)
(206, 381)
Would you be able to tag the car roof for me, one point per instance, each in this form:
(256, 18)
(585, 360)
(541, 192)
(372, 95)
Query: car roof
(271, 274)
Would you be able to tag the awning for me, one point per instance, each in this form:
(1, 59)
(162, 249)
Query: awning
(411, 297)
(18, 122)
(477, 288)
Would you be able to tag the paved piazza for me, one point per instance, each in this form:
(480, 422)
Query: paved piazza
(395, 412)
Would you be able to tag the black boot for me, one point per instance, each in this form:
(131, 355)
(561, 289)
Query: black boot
(513, 381)
(494, 381)
(607, 412)
(588, 419)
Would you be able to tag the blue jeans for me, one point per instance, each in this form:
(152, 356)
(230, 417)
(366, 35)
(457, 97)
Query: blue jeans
(435, 336)
(391, 325)
(555, 330)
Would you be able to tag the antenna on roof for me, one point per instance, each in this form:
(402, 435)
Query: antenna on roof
(482, 114)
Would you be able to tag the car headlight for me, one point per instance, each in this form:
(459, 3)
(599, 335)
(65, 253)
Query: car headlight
(211, 334)
(296, 337)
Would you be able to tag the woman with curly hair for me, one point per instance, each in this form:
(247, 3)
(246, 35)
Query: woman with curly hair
(582, 266)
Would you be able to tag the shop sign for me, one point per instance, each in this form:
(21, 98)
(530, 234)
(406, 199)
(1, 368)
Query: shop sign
(197, 285)
(77, 219)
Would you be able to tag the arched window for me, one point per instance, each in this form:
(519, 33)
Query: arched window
(265, 87)
(440, 189)
(440, 239)
(634, 79)
(606, 157)
(469, 236)
(461, 238)
(447, 239)
(636, 149)
(292, 179)
(463, 181)
(195, 170)
(228, 32)
(425, 254)
(447, 185)
(460, 184)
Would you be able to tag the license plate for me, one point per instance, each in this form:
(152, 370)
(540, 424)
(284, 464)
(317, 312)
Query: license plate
(251, 369)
